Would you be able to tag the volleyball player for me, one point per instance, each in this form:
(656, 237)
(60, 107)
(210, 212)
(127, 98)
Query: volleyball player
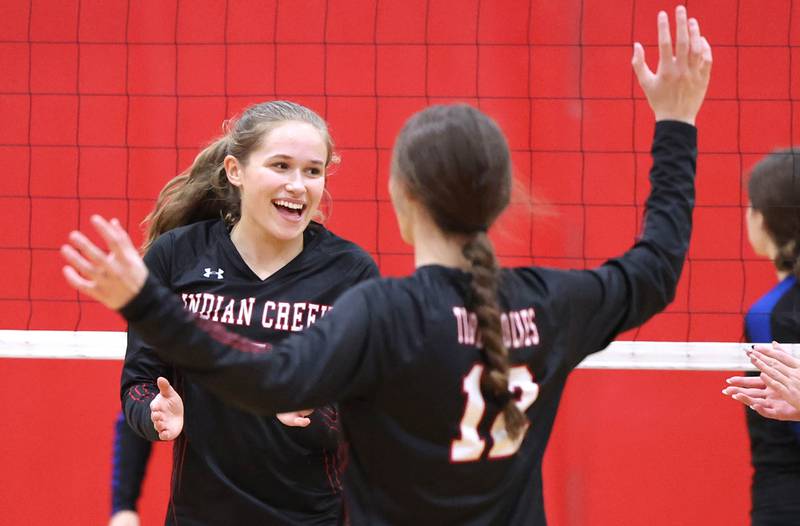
(773, 229)
(234, 238)
(448, 380)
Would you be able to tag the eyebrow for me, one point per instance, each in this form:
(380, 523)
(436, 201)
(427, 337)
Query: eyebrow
(282, 156)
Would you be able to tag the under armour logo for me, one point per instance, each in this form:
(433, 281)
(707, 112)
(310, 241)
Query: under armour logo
(219, 272)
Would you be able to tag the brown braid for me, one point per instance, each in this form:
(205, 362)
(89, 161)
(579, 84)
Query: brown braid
(455, 161)
(485, 276)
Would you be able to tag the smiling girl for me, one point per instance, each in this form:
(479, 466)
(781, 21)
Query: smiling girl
(235, 237)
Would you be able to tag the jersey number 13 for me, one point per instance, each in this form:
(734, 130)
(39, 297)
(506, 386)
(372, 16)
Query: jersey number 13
(470, 446)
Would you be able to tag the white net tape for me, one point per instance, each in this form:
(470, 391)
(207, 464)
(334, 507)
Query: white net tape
(691, 356)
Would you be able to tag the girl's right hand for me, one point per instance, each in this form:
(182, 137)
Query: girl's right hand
(677, 89)
(166, 411)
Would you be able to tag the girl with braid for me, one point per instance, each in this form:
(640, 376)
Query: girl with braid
(447, 380)
(773, 228)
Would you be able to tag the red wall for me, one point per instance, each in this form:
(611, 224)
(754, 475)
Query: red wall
(627, 446)
(103, 101)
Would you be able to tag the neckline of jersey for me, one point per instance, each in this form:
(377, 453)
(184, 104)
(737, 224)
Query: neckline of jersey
(311, 241)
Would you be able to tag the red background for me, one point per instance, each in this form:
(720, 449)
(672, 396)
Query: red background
(103, 101)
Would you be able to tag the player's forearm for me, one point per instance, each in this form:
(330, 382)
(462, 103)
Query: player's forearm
(136, 406)
(653, 267)
(233, 367)
(668, 214)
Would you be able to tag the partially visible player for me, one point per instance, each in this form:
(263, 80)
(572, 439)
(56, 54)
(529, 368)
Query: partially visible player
(773, 229)
(449, 379)
(129, 460)
(235, 236)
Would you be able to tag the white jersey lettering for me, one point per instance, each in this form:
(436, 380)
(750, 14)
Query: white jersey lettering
(227, 315)
(267, 323)
(518, 328)
(245, 311)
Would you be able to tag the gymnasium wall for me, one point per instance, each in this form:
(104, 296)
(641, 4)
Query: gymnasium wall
(102, 102)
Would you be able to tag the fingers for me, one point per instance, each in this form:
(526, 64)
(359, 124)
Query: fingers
(78, 262)
(695, 43)
(744, 399)
(664, 40)
(766, 412)
(770, 368)
(113, 234)
(681, 37)
(746, 382)
(705, 67)
(640, 68)
(750, 393)
(166, 424)
(77, 281)
(295, 418)
(88, 249)
(777, 352)
(164, 388)
(776, 385)
(165, 431)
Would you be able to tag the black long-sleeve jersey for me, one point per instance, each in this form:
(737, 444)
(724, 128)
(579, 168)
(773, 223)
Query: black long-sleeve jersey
(775, 445)
(130, 454)
(401, 358)
(230, 466)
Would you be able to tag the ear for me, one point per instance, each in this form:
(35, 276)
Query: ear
(756, 217)
(233, 170)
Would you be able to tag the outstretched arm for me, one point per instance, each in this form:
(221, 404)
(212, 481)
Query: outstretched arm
(628, 290)
(326, 362)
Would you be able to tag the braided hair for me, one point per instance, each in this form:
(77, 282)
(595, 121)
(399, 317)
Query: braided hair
(455, 161)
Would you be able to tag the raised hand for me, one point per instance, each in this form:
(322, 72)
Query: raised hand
(677, 89)
(166, 411)
(295, 418)
(112, 278)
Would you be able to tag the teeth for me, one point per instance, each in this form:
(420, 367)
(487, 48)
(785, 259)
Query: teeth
(287, 204)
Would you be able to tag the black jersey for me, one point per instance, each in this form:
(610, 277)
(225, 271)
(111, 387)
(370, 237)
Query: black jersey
(128, 462)
(400, 356)
(230, 466)
(775, 445)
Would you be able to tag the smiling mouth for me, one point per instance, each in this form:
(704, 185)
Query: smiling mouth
(289, 209)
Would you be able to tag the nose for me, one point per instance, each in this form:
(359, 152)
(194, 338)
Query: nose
(294, 182)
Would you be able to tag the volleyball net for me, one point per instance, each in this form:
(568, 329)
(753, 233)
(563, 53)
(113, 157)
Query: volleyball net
(103, 102)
